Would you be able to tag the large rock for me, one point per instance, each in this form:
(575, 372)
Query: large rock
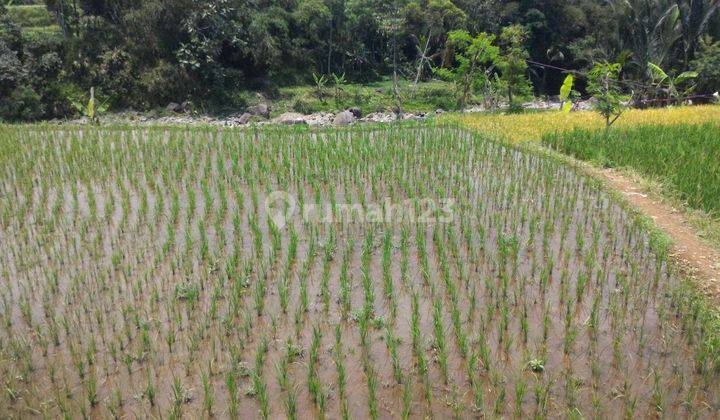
(244, 118)
(290, 118)
(237, 120)
(587, 105)
(474, 109)
(379, 117)
(344, 118)
(541, 105)
(411, 117)
(320, 118)
(261, 110)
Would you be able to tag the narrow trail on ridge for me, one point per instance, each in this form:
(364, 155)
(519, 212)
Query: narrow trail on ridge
(700, 260)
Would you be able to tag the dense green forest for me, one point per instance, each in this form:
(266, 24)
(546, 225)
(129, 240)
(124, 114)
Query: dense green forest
(142, 54)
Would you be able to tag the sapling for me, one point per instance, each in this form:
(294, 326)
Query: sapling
(605, 89)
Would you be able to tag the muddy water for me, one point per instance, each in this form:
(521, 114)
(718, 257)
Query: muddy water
(160, 284)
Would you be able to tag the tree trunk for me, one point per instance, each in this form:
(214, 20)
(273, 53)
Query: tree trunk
(330, 45)
(396, 95)
(422, 59)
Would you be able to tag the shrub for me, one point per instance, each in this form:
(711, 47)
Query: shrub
(305, 103)
(163, 83)
(439, 95)
(358, 96)
(115, 74)
(21, 104)
(16, 99)
(473, 56)
(10, 33)
(30, 85)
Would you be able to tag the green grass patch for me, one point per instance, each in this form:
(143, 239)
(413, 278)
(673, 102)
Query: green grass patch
(685, 157)
(42, 33)
(372, 97)
(29, 16)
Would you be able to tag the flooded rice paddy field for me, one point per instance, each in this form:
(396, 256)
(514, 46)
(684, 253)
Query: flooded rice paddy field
(252, 274)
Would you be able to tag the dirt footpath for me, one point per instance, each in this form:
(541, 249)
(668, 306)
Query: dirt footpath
(701, 261)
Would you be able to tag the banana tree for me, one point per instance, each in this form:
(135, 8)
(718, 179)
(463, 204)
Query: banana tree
(567, 94)
(671, 89)
(320, 81)
(338, 82)
(654, 30)
(93, 110)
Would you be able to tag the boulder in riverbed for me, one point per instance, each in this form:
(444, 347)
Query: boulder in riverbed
(290, 118)
(344, 118)
(244, 118)
(261, 110)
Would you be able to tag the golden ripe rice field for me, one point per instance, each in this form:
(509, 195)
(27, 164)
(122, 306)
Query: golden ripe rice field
(532, 126)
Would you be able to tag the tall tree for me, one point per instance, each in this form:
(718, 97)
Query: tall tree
(695, 17)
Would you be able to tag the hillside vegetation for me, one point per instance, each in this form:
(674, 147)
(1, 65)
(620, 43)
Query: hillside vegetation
(36, 21)
(215, 56)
